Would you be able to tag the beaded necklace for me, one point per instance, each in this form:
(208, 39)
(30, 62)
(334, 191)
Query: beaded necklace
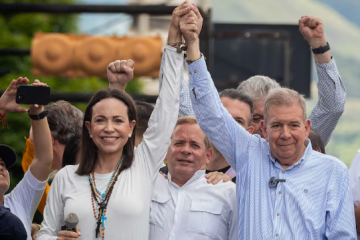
(103, 199)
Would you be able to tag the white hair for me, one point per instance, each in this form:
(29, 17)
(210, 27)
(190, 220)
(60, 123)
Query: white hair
(257, 87)
(284, 96)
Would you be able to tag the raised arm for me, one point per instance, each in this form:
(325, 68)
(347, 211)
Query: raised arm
(212, 117)
(175, 36)
(41, 165)
(331, 90)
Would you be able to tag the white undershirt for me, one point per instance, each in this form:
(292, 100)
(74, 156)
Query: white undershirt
(24, 199)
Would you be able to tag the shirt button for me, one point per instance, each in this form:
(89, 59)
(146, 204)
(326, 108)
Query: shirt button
(276, 235)
(195, 71)
(283, 172)
(279, 192)
(190, 73)
(278, 214)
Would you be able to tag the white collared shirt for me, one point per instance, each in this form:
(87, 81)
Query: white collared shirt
(354, 172)
(197, 210)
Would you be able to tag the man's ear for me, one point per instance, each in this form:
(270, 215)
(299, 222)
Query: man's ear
(307, 127)
(52, 139)
(250, 129)
(264, 129)
(209, 154)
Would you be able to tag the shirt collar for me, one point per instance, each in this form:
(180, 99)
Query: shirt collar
(303, 158)
(198, 174)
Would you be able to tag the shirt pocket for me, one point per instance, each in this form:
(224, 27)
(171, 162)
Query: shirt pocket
(204, 218)
(159, 208)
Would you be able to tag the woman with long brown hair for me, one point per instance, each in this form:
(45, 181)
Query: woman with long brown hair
(110, 190)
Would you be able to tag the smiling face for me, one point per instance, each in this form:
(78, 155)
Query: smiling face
(4, 178)
(286, 131)
(187, 152)
(110, 126)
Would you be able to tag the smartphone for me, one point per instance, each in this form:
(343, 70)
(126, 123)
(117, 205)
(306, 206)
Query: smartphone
(29, 94)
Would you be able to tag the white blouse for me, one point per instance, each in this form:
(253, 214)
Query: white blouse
(129, 205)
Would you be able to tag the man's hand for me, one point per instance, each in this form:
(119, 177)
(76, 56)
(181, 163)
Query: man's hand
(8, 99)
(119, 73)
(67, 235)
(190, 26)
(312, 30)
(174, 30)
(215, 177)
(34, 230)
(37, 109)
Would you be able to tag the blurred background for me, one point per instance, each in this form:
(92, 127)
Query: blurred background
(234, 30)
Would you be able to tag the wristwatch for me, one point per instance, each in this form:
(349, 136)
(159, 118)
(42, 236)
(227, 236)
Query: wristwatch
(321, 49)
(39, 116)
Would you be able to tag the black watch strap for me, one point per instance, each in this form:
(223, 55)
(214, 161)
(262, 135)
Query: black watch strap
(39, 116)
(321, 49)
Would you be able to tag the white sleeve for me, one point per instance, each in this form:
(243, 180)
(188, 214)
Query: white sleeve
(28, 193)
(354, 172)
(234, 222)
(152, 150)
(54, 210)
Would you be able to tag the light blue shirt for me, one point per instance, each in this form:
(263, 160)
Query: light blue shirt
(315, 202)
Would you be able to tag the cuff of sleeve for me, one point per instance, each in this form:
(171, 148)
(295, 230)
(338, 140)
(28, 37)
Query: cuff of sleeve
(331, 64)
(33, 182)
(199, 84)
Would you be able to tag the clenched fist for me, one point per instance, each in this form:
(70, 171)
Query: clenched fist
(119, 73)
(312, 30)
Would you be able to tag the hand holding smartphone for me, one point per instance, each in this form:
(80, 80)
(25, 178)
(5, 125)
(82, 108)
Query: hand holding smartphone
(31, 94)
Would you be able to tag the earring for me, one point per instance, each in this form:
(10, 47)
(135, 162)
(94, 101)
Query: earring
(90, 136)
(129, 135)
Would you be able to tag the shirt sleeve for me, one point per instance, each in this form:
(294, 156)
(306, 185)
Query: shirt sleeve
(152, 150)
(340, 215)
(234, 221)
(331, 103)
(231, 139)
(28, 193)
(185, 108)
(54, 210)
(354, 173)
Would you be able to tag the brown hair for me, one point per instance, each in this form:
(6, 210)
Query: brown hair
(64, 121)
(192, 120)
(88, 149)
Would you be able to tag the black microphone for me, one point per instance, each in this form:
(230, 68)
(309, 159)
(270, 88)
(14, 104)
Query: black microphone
(71, 221)
(274, 182)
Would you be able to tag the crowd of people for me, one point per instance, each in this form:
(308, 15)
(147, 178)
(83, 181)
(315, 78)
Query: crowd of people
(245, 163)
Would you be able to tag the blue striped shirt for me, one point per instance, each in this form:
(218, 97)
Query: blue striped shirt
(315, 202)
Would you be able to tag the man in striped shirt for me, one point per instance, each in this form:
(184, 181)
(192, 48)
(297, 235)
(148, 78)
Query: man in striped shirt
(285, 189)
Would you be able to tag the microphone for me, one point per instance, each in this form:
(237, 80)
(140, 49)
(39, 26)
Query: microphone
(274, 182)
(71, 221)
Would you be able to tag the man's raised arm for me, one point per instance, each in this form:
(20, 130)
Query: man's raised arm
(212, 117)
(331, 90)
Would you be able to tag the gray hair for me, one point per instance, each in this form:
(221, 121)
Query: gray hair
(257, 87)
(284, 96)
(65, 121)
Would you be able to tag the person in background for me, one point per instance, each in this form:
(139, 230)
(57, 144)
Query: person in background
(25, 197)
(331, 90)
(316, 142)
(277, 193)
(144, 111)
(354, 172)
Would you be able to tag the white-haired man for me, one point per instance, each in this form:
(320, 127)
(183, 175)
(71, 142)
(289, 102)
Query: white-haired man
(285, 189)
(332, 93)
